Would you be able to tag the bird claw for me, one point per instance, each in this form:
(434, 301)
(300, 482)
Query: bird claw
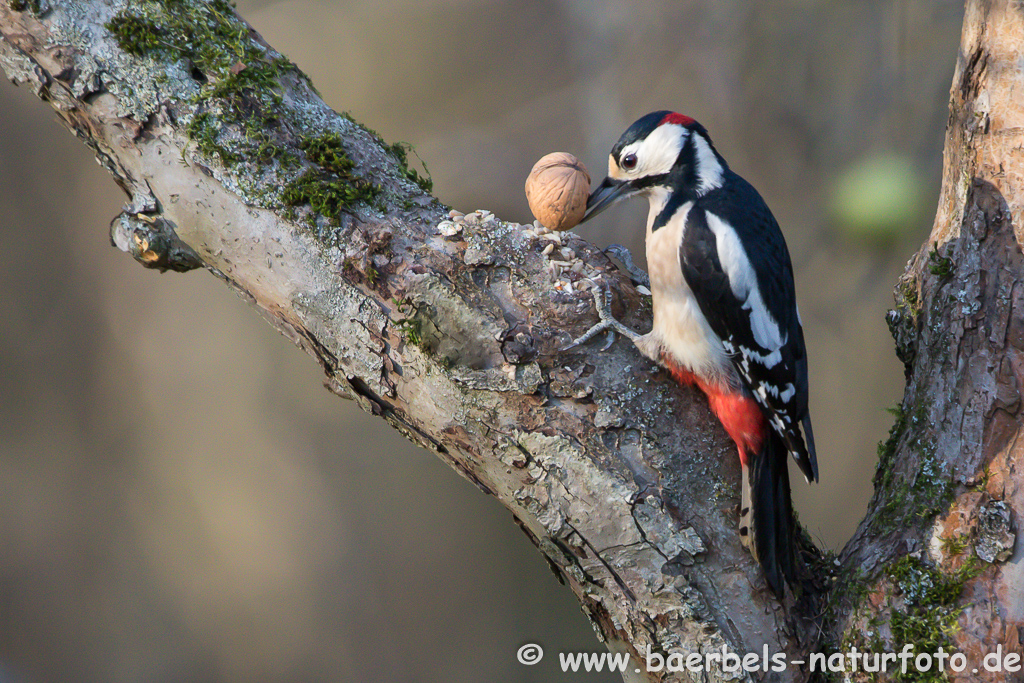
(636, 274)
(603, 303)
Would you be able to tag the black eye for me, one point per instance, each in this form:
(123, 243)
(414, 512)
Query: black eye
(629, 162)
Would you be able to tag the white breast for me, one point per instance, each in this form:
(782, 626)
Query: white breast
(680, 329)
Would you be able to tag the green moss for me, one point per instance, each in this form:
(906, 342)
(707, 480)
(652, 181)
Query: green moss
(411, 330)
(136, 35)
(956, 545)
(907, 291)
(887, 449)
(263, 147)
(401, 150)
(982, 484)
(205, 32)
(929, 616)
(331, 188)
(909, 498)
(34, 6)
(256, 80)
(328, 152)
(204, 130)
(328, 195)
(924, 586)
(239, 79)
(938, 264)
(419, 330)
(927, 630)
(240, 116)
(908, 505)
(411, 326)
(920, 608)
(884, 477)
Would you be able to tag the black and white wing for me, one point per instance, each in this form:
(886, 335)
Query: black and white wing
(734, 259)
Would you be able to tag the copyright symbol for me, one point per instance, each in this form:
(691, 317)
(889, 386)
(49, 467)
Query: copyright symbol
(530, 654)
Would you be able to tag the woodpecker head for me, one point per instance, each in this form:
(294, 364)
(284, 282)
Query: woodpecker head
(660, 150)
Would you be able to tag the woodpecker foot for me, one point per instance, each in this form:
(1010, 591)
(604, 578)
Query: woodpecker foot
(603, 302)
(636, 274)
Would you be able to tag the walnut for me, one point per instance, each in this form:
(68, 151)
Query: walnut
(557, 190)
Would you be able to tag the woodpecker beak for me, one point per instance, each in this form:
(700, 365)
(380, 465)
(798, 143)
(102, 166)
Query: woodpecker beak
(606, 194)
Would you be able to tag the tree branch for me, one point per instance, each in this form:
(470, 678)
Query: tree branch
(624, 481)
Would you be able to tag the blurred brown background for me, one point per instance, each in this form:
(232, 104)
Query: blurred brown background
(180, 500)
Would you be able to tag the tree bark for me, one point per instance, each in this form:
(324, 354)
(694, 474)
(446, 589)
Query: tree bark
(450, 328)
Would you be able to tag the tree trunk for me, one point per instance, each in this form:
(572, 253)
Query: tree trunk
(934, 562)
(450, 328)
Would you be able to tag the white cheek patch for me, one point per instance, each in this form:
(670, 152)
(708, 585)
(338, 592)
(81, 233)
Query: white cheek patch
(743, 283)
(656, 154)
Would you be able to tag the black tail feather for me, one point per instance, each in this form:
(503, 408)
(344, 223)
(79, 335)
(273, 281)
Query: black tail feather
(772, 524)
(812, 455)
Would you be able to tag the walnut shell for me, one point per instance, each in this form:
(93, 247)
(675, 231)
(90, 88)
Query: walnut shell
(557, 190)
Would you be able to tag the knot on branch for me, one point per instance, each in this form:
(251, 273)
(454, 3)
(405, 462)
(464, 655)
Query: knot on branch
(152, 241)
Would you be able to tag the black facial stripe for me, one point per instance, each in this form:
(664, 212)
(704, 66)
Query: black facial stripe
(646, 181)
(681, 178)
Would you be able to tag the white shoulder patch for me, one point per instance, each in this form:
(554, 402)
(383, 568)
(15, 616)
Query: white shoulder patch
(743, 282)
(709, 171)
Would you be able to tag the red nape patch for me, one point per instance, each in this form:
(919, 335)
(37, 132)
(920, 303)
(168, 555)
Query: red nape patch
(680, 119)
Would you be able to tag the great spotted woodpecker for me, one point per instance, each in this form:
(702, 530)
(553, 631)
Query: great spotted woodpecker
(725, 314)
